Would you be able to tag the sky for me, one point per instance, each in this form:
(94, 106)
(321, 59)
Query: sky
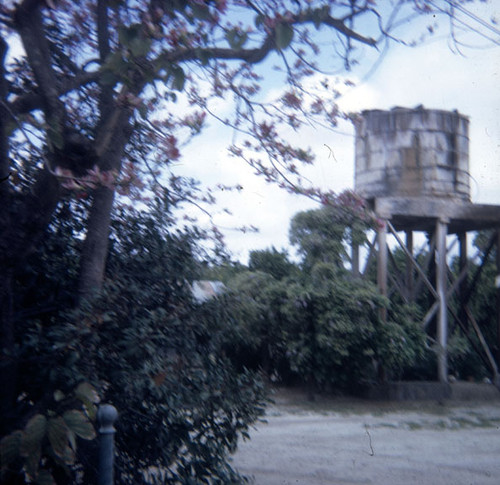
(431, 74)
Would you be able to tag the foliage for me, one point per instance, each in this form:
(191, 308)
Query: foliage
(322, 327)
(465, 353)
(271, 261)
(330, 334)
(221, 270)
(47, 443)
(187, 404)
(341, 338)
(257, 339)
(43, 288)
(148, 349)
(322, 235)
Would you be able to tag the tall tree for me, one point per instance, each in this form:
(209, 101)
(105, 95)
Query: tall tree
(321, 235)
(271, 261)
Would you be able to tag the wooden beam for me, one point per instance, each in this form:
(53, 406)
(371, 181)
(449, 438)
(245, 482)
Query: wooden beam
(371, 254)
(413, 262)
(420, 213)
(482, 340)
(432, 311)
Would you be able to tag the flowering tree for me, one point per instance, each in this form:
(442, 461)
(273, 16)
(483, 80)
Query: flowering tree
(103, 94)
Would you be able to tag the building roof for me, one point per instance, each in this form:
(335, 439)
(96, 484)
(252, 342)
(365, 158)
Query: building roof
(204, 290)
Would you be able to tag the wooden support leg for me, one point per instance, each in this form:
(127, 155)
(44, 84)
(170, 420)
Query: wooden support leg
(441, 278)
(462, 288)
(410, 281)
(382, 264)
(355, 260)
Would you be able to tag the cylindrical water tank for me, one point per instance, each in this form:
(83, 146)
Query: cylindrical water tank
(412, 153)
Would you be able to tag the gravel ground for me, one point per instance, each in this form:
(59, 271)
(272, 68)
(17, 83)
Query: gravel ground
(338, 441)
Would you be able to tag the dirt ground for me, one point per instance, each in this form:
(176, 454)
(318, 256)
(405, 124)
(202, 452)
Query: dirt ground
(340, 441)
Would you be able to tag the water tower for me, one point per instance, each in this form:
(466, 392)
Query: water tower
(412, 165)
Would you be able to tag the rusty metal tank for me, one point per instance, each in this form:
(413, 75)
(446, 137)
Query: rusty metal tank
(412, 153)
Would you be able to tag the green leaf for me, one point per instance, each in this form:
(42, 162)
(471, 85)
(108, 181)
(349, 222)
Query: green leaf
(10, 447)
(319, 15)
(259, 20)
(284, 36)
(201, 11)
(236, 38)
(179, 78)
(79, 424)
(113, 69)
(115, 62)
(109, 78)
(59, 439)
(204, 56)
(140, 46)
(34, 431)
(88, 396)
(128, 34)
(55, 137)
(58, 395)
(85, 392)
(143, 111)
(72, 440)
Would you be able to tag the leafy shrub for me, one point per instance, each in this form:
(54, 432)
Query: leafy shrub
(324, 329)
(154, 353)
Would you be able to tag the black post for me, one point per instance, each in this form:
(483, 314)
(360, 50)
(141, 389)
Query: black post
(106, 417)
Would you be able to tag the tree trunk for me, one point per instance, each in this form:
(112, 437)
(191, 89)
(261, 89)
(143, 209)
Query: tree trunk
(95, 248)
(112, 136)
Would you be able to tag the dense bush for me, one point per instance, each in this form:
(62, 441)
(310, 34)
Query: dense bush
(324, 331)
(147, 348)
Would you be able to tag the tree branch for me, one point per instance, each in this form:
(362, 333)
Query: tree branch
(28, 18)
(103, 42)
(32, 101)
(63, 59)
(347, 32)
(256, 55)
